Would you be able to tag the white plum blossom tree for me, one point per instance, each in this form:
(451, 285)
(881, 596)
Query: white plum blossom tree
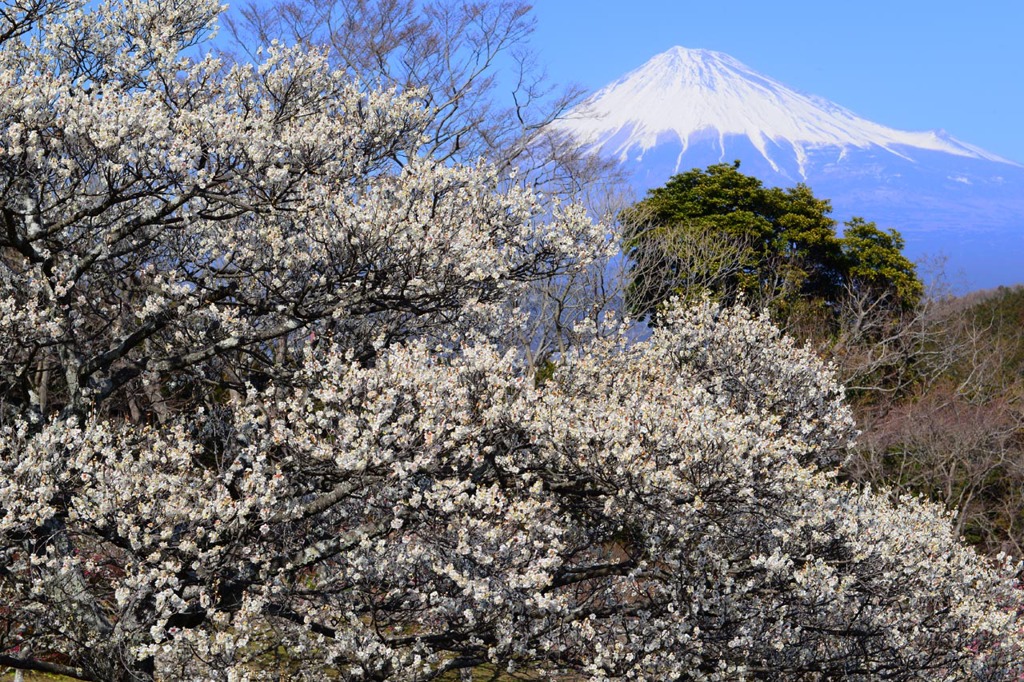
(164, 219)
(258, 418)
(659, 511)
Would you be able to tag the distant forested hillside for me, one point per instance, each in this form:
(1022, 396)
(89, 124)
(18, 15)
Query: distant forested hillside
(955, 431)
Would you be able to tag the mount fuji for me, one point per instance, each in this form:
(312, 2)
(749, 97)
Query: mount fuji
(691, 108)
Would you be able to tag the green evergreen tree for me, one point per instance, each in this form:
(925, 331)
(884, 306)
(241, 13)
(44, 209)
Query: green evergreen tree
(786, 254)
(874, 259)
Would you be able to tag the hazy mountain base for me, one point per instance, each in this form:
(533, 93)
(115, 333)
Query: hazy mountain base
(969, 211)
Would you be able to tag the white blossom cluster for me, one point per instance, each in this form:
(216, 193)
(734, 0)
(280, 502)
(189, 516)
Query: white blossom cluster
(257, 419)
(638, 517)
(160, 215)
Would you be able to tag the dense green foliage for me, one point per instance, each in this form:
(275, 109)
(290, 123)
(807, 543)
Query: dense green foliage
(720, 231)
(873, 259)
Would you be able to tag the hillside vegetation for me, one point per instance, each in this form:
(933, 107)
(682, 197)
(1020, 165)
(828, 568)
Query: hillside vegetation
(955, 431)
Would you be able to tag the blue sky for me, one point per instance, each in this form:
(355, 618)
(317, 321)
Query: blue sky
(904, 63)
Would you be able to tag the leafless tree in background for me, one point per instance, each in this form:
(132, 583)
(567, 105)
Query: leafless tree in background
(942, 415)
(470, 62)
(487, 97)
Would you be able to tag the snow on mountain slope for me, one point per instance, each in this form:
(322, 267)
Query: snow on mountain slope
(691, 108)
(696, 94)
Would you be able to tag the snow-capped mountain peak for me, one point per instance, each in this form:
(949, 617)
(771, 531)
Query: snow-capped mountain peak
(697, 95)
